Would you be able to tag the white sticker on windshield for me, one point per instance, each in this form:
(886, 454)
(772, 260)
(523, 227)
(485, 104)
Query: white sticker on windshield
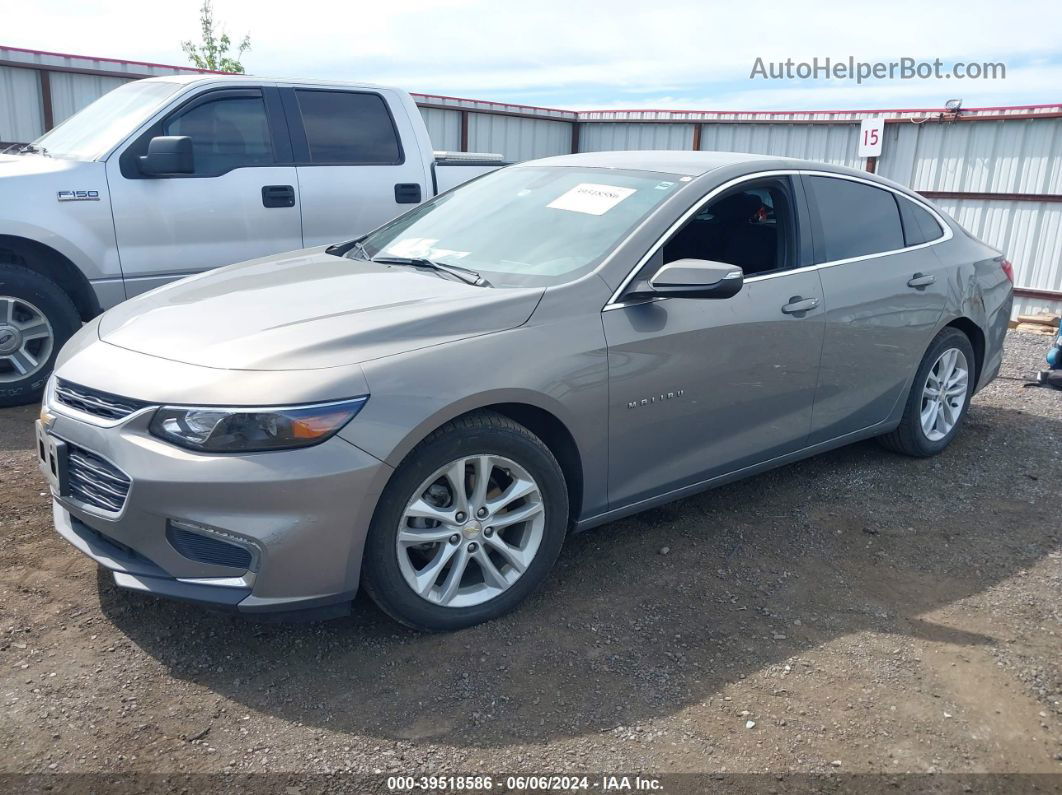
(590, 198)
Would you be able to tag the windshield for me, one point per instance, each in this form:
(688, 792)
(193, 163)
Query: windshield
(96, 128)
(526, 225)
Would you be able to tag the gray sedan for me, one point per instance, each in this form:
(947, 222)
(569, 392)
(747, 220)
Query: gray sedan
(429, 410)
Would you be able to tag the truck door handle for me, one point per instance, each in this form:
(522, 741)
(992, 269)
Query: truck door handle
(278, 196)
(921, 280)
(798, 305)
(407, 193)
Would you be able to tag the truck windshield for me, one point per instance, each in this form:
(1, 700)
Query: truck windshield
(526, 225)
(96, 128)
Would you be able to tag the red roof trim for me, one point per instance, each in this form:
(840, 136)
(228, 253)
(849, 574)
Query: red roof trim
(806, 110)
(113, 60)
(494, 102)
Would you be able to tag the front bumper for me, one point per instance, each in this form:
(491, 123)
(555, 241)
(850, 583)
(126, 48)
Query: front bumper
(304, 513)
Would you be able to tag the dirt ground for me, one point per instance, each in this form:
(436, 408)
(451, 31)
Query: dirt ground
(857, 612)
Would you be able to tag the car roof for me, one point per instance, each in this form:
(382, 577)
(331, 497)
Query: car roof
(695, 164)
(692, 164)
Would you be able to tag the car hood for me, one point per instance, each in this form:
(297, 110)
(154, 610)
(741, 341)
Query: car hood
(309, 310)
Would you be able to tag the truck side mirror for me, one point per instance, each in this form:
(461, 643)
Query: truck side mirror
(168, 154)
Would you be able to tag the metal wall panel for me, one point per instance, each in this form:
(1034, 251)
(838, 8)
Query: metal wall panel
(83, 62)
(496, 107)
(444, 128)
(518, 138)
(71, 91)
(1029, 233)
(827, 143)
(621, 135)
(1020, 156)
(21, 118)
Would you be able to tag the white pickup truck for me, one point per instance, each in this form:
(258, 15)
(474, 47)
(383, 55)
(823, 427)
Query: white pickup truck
(166, 177)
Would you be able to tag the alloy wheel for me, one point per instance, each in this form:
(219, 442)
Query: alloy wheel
(26, 339)
(944, 394)
(470, 531)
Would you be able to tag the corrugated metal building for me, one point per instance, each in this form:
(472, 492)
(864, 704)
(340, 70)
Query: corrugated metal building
(998, 171)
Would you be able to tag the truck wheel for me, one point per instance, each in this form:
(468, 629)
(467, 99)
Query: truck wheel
(469, 525)
(36, 318)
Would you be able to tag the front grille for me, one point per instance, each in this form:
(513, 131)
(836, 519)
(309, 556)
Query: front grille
(94, 402)
(204, 549)
(94, 481)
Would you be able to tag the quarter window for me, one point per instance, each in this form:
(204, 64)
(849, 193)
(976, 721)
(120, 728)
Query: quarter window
(857, 219)
(751, 227)
(347, 127)
(226, 134)
(918, 225)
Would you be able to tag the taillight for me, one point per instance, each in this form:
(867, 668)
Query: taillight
(1008, 269)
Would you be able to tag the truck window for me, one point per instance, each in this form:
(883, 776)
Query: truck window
(343, 127)
(226, 134)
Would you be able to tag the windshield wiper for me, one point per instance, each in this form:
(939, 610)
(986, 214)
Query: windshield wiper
(467, 275)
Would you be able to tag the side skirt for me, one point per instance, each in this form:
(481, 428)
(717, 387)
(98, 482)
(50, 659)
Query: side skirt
(738, 474)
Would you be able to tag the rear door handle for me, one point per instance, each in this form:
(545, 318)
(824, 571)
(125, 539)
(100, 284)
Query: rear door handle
(921, 280)
(278, 196)
(798, 305)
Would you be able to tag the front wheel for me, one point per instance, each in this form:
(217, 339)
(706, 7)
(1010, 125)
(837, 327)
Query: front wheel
(470, 524)
(939, 398)
(36, 318)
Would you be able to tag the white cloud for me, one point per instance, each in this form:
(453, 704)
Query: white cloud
(582, 54)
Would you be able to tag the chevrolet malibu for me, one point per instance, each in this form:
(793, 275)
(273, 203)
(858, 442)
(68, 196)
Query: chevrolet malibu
(428, 410)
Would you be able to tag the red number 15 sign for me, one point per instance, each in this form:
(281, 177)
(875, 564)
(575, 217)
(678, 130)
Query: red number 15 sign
(871, 132)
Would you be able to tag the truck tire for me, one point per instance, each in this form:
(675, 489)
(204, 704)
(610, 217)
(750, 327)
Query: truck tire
(36, 318)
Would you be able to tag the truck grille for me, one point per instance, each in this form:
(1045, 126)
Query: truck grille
(94, 402)
(94, 481)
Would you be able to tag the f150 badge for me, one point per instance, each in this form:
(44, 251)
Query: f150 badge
(78, 196)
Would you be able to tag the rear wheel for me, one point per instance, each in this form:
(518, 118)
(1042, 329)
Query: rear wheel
(36, 318)
(468, 527)
(939, 398)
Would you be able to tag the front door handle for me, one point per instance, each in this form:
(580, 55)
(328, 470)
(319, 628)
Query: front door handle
(798, 305)
(278, 196)
(921, 280)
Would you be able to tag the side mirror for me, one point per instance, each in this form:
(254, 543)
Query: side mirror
(696, 278)
(168, 154)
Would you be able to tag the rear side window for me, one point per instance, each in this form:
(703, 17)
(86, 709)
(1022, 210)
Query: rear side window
(347, 127)
(918, 225)
(857, 219)
(226, 133)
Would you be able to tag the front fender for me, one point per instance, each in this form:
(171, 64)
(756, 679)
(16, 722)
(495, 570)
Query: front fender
(81, 230)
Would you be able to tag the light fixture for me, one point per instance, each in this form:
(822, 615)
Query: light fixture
(953, 105)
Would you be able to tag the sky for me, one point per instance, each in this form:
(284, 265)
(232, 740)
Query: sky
(584, 54)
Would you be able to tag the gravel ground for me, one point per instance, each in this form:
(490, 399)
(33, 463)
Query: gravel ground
(857, 612)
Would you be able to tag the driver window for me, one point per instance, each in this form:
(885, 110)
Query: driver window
(750, 227)
(226, 134)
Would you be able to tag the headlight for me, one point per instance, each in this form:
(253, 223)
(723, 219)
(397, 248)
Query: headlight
(250, 430)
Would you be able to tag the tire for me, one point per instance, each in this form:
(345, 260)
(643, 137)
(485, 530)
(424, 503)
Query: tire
(513, 457)
(910, 437)
(30, 302)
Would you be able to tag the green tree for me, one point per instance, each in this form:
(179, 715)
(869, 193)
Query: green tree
(213, 52)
